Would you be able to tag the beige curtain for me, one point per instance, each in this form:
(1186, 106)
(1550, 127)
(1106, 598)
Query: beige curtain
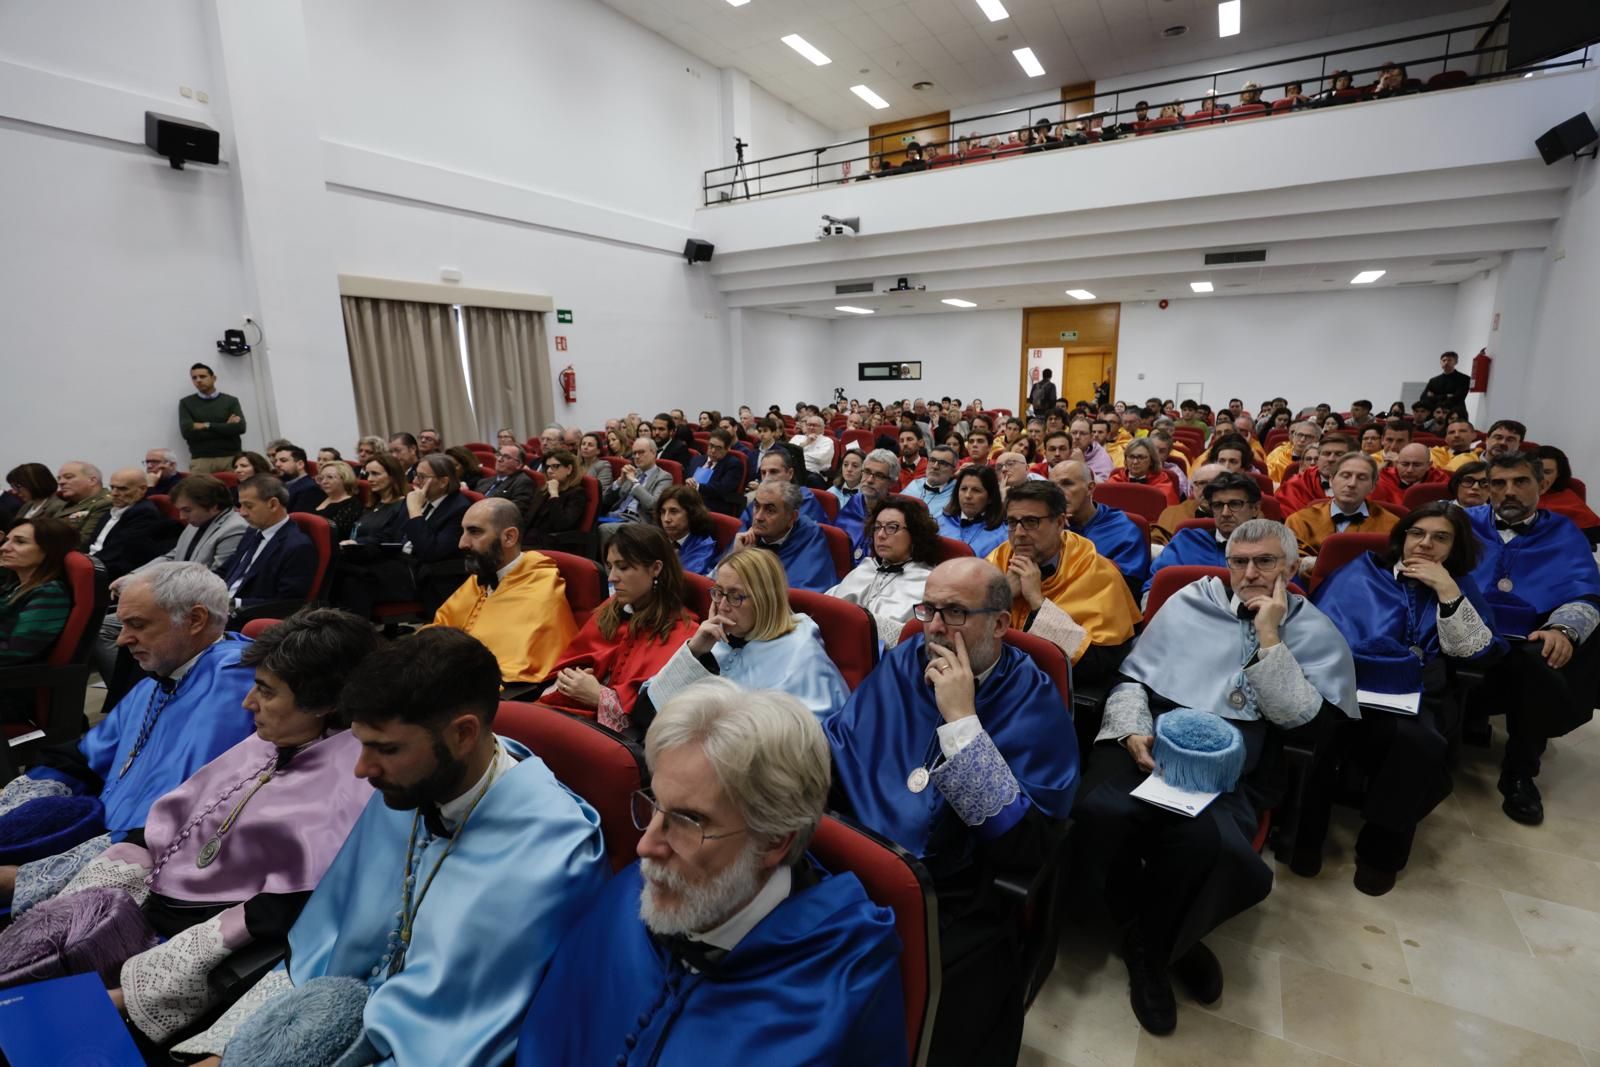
(406, 362)
(510, 371)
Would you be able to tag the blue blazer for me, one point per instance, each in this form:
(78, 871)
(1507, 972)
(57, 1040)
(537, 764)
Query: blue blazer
(304, 493)
(282, 571)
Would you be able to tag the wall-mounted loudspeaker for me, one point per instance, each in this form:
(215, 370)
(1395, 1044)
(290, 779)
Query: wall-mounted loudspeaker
(1569, 138)
(180, 140)
(696, 251)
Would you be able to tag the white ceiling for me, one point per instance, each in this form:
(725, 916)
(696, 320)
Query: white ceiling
(891, 44)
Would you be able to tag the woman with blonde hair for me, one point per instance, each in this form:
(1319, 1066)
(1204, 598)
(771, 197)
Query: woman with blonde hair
(341, 500)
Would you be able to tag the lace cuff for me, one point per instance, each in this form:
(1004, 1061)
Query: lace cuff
(1283, 693)
(42, 879)
(1462, 633)
(888, 629)
(165, 988)
(1127, 712)
(1056, 626)
(609, 713)
(214, 1041)
(1580, 615)
(20, 790)
(977, 783)
(116, 868)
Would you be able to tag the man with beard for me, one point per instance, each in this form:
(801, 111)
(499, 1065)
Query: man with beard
(724, 917)
(515, 602)
(1538, 573)
(1457, 450)
(441, 913)
(936, 487)
(956, 747)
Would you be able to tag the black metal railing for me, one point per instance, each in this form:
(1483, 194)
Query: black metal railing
(846, 161)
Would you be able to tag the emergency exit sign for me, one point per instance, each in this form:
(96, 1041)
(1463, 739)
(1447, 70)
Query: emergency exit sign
(1069, 335)
(563, 315)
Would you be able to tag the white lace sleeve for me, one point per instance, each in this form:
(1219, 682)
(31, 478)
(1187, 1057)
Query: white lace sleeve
(20, 790)
(44, 878)
(112, 869)
(1127, 712)
(165, 988)
(1054, 625)
(1463, 633)
(214, 1041)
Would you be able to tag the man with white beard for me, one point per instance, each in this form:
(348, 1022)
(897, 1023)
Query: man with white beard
(724, 944)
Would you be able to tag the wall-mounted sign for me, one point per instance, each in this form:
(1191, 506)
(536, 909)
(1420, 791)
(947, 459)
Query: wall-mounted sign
(1069, 335)
(561, 343)
(563, 315)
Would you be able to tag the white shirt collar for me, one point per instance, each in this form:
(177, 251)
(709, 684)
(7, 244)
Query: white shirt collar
(267, 534)
(509, 567)
(453, 811)
(211, 395)
(179, 672)
(733, 930)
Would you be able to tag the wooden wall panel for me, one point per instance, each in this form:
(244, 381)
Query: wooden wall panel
(1089, 359)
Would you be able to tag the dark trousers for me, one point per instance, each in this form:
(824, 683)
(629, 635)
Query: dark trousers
(982, 987)
(1539, 701)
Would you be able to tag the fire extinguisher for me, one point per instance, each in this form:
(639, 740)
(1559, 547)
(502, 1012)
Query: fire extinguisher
(1480, 371)
(569, 384)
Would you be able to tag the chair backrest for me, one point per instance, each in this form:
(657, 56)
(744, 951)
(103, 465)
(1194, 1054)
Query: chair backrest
(1143, 524)
(672, 467)
(616, 463)
(227, 478)
(897, 880)
(839, 548)
(591, 503)
(723, 529)
(1449, 79)
(1271, 509)
(829, 502)
(1247, 111)
(1577, 486)
(602, 767)
(471, 496)
(1128, 497)
(1426, 493)
(1340, 548)
(848, 632)
(950, 548)
(321, 534)
(1276, 438)
(479, 446)
(1197, 524)
(1264, 482)
(1283, 104)
(697, 594)
(256, 627)
(164, 504)
(1169, 580)
(586, 583)
(89, 598)
(862, 438)
(1399, 511)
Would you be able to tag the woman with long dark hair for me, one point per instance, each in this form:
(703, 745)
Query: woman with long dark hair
(976, 513)
(682, 516)
(559, 507)
(34, 599)
(1556, 493)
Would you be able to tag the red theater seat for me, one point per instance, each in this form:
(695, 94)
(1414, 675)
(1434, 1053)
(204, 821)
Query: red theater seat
(586, 583)
(1144, 500)
(839, 548)
(59, 682)
(1341, 548)
(848, 632)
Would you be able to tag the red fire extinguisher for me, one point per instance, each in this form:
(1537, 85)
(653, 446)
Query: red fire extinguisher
(569, 384)
(1480, 371)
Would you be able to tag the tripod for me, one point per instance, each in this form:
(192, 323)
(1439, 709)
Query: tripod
(740, 175)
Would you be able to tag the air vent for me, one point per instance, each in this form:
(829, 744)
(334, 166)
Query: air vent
(1459, 261)
(846, 288)
(1175, 31)
(1252, 255)
(1415, 283)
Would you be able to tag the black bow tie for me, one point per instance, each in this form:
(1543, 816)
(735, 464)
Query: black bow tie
(890, 568)
(1341, 519)
(701, 956)
(167, 685)
(1047, 571)
(434, 820)
(1519, 527)
(737, 642)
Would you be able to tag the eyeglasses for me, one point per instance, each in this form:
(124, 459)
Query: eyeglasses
(953, 614)
(890, 528)
(1009, 463)
(1475, 483)
(1262, 563)
(1231, 505)
(684, 833)
(877, 476)
(942, 463)
(1027, 522)
(733, 600)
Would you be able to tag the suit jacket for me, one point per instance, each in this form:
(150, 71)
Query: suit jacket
(1313, 524)
(723, 489)
(644, 491)
(304, 493)
(140, 535)
(213, 546)
(283, 570)
(517, 487)
(438, 537)
(676, 451)
(86, 515)
(164, 486)
(555, 515)
(1448, 389)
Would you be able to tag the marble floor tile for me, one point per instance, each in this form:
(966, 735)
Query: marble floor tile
(1321, 934)
(1204, 1040)
(1367, 1024)
(1084, 1019)
(1557, 932)
(1032, 1057)
(1251, 991)
(1452, 853)
(1479, 801)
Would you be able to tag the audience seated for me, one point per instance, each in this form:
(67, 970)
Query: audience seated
(752, 638)
(87, 500)
(1457, 449)
(846, 485)
(1346, 510)
(1114, 535)
(34, 599)
(289, 463)
(777, 525)
(32, 494)
(935, 488)
(664, 431)
(1538, 573)
(1412, 465)
(782, 464)
(632, 497)
(682, 514)
(133, 531)
(889, 582)
(1230, 499)
(816, 446)
(1165, 527)
(1169, 879)
(1301, 434)
(720, 479)
(1062, 589)
(1311, 483)
(511, 481)
(275, 561)
(1556, 493)
(161, 471)
(183, 713)
(632, 635)
(488, 857)
(880, 476)
(999, 795)
(514, 602)
(340, 506)
(558, 508)
(591, 460)
(976, 512)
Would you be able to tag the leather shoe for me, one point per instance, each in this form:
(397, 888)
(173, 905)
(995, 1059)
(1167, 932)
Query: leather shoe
(1373, 881)
(1523, 803)
(1149, 988)
(1306, 861)
(1200, 974)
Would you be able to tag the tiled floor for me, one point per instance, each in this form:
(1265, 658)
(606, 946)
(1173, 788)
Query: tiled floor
(1486, 952)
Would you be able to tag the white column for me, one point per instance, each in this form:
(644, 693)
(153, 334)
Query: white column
(1511, 338)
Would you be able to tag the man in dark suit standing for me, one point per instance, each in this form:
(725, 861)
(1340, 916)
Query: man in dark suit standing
(275, 561)
(134, 531)
(510, 480)
(1450, 387)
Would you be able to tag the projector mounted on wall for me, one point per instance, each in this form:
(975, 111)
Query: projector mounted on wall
(903, 285)
(832, 227)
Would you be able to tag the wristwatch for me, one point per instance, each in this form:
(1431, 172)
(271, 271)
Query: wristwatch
(1566, 631)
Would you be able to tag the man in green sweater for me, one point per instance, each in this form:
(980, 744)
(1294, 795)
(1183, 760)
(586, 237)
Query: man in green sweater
(211, 421)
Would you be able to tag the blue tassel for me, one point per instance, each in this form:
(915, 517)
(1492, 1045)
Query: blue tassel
(1198, 750)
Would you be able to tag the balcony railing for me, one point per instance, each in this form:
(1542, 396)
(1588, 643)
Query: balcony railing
(1116, 115)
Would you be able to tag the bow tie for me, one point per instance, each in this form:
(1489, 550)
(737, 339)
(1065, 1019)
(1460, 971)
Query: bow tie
(1245, 614)
(434, 820)
(699, 955)
(1341, 519)
(1047, 571)
(1519, 527)
(890, 568)
(737, 643)
(166, 685)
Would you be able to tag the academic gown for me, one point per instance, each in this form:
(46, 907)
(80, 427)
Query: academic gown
(805, 558)
(526, 865)
(816, 981)
(980, 538)
(809, 509)
(1390, 491)
(696, 553)
(1117, 538)
(1314, 524)
(1549, 565)
(1161, 479)
(796, 662)
(1085, 585)
(525, 621)
(622, 664)
(1192, 547)
(853, 521)
(1303, 488)
(1568, 503)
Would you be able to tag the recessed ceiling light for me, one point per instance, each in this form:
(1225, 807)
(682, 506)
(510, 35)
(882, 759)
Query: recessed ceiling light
(1228, 17)
(1367, 277)
(994, 9)
(807, 49)
(869, 96)
(1080, 294)
(956, 303)
(853, 310)
(737, 3)
(1200, 287)
(1029, 62)
(922, 86)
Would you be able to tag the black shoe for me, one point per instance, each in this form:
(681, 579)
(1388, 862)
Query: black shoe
(1149, 988)
(1200, 974)
(1373, 881)
(1523, 803)
(1306, 861)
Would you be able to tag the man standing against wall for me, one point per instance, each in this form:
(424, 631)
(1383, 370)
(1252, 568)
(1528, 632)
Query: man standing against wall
(212, 422)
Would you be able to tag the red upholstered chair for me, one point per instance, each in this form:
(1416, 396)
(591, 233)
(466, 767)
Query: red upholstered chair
(163, 504)
(672, 467)
(1196, 524)
(586, 583)
(1145, 500)
(950, 548)
(829, 502)
(896, 880)
(1449, 79)
(848, 632)
(479, 446)
(1264, 482)
(364, 491)
(701, 438)
(311, 467)
(58, 682)
(1341, 548)
(723, 530)
(485, 457)
(839, 548)
(1280, 106)
(472, 496)
(1247, 111)
(1275, 438)
(617, 463)
(862, 438)
(1426, 493)
(1577, 486)
(591, 506)
(256, 627)
(1271, 509)
(1291, 470)
(227, 478)
(602, 767)
(698, 594)
(1399, 511)
(321, 534)
(1169, 580)
(1143, 524)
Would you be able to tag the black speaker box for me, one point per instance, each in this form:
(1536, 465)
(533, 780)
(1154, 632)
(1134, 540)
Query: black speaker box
(1567, 138)
(180, 140)
(697, 251)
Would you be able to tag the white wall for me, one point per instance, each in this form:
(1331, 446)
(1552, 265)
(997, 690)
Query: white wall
(965, 354)
(784, 358)
(1308, 347)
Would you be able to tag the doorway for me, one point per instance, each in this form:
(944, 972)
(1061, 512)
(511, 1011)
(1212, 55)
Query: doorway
(1087, 336)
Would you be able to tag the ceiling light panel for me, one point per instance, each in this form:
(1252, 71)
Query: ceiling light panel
(1367, 277)
(1228, 17)
(958, 303)
(993, 9)
(869, 96)
(1200, 287)
(853, 310)
(1028, 62)
(1080, 294)
(807, 49)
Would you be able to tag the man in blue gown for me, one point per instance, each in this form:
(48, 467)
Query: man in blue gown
(1538, 573)
(880, 476)
(960, 750)
(1231, 499)
(189, 710)
(725, 943)
(1115, 536)
(449, 897)
(777, 524)
(782, 464)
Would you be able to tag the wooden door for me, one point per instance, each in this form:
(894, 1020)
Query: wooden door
(1090, 356)
(1083, 369)
(888, 138)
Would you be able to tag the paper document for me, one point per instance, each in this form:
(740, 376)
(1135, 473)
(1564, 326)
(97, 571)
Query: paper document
(1399, 703)
(1188, 802)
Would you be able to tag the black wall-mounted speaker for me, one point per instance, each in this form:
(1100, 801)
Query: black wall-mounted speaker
(697, 251)
(1567, 138)
(180, 140)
